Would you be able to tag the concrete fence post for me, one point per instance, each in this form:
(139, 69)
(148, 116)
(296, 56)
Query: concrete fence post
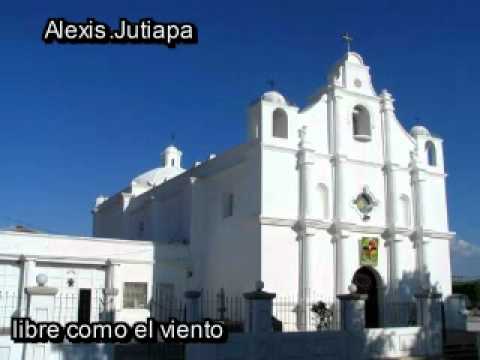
(352, 312)
(41, 307)
(456, 313)
(429, 316)
(258, 310)
(478, 344)
(109, 307)
(110, 291)
(192, 305)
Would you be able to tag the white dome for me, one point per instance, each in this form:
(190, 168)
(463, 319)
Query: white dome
(354, 57)
(419, 130)
(275, 97)
(171, 148)
(157, 176)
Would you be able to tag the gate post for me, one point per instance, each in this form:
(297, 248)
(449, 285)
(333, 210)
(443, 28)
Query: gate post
(456, 312)
(193, 305)
(259, 310)
(41, 303)
(429, 315)
(352, 312)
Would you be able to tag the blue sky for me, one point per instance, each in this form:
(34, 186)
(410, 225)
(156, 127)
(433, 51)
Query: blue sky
(80, 120)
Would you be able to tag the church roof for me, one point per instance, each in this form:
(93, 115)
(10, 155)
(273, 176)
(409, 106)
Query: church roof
(157, 175)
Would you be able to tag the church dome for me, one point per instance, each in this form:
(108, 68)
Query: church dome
(354, 57)
(171, 159)
(274, 97)
(419, 130)
(156, 176)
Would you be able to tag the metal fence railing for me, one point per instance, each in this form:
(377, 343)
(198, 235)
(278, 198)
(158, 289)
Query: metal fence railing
(220, 306)
(287, 313)
(165, 306)
(307, 315)
(400, 314)
(66, 306)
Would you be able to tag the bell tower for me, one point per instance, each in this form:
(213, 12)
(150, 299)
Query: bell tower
(171, 157)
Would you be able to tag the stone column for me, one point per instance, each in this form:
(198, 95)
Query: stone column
(193, 305)
(27, 280)
(41, 303)
(340, 239)
(421, 244)
(429, 316)
(111, 291)
(259, 310)
(339, 160)
(340, 210)
(337, 123)
(391, 169)
(306, 163)
(339, 164)
(340, 214)
(352, 312)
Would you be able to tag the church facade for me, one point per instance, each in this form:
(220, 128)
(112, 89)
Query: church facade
(316, 199)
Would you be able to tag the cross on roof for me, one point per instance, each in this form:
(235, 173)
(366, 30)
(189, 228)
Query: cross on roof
(348, 39)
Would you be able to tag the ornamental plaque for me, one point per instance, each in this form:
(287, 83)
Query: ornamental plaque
(369, 251)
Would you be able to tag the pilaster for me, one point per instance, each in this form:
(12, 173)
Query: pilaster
(111, 289)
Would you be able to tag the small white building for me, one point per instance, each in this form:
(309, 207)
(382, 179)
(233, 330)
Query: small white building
(83, 269)
(317, 198)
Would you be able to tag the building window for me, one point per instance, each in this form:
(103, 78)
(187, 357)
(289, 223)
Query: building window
(361, 124)
(431, 153)
(172, 162)
(228, 203)
(135, 295)
(280, 124)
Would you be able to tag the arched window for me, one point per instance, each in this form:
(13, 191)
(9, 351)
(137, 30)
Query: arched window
(280, 124)
(431, 153)
(405, 214)
(361, 123)
(323, 201)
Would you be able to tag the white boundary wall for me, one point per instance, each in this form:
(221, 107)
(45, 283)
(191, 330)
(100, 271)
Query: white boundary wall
(335, 345)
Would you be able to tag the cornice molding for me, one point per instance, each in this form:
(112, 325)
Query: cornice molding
(96, 261)
(290, 222)
(353, 93)
(449, 235)
(277, 221)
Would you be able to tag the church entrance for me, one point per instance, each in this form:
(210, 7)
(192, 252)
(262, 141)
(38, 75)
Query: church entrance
(366, 283)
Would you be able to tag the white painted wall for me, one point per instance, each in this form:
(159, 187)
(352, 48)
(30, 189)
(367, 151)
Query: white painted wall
(372, 343)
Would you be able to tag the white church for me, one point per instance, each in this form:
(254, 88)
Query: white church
(316, 199)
